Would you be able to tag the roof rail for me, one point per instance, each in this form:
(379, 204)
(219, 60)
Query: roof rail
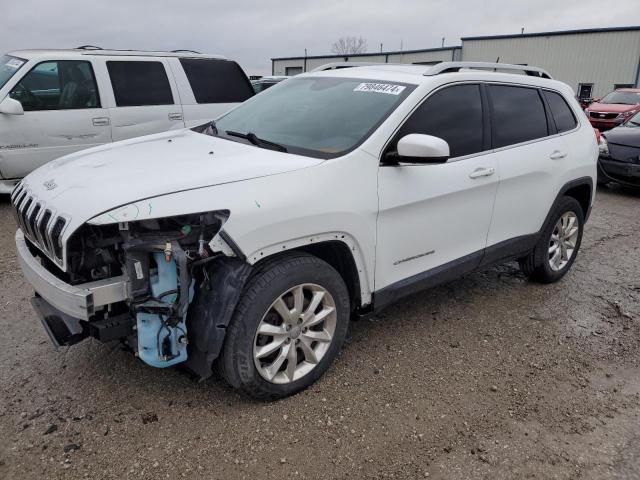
(339, 65)
(447, 67)
(93, 47)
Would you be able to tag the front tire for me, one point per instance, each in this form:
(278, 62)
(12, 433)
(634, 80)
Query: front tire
(558, 245)
(287, 329)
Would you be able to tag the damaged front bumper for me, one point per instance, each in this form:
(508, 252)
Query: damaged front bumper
(65, 309)
(147, 307)
(77, 301)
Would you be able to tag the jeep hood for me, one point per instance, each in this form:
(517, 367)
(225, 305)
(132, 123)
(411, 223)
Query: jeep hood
(91, 182)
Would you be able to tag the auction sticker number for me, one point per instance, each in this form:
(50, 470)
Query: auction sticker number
(387, 88)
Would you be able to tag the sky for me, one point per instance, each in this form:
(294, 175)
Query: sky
(252, 32)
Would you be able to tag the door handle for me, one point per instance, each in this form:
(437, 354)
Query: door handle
(482, 172)
(100, 121)
(174, 117)
(557, 155)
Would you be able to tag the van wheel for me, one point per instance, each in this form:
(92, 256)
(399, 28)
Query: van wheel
(558, 245)
(288, 327)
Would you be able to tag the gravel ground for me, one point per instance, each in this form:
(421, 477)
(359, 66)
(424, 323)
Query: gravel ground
(487, 377)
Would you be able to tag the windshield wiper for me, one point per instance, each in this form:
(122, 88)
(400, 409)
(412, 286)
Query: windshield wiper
(258, 142)
(635, 123)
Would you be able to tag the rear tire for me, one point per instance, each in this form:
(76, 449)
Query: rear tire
(558, 244)
(287, 329)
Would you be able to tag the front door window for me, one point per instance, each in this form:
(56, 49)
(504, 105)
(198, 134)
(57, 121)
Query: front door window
(57, 85)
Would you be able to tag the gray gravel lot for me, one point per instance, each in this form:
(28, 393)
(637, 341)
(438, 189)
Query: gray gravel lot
(487, 377)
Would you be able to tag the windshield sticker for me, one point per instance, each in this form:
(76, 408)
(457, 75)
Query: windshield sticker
(14, 63)
(380, 88)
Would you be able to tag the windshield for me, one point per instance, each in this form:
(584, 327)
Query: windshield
(322, 117)
(8, 67)
(625, 98)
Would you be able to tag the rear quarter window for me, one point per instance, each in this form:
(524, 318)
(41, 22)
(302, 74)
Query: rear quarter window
(518, 115)
(216, 81)
(561, 112)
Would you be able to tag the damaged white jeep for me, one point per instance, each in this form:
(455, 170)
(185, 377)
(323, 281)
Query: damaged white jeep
(249, 243)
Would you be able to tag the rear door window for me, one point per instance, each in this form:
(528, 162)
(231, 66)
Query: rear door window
(57, 85)
(142, 83)
(561, 112)
(453, 114)
(216, 81)
(518, 115)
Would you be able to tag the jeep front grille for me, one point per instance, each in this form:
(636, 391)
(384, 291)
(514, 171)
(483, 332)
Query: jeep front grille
(39, 223)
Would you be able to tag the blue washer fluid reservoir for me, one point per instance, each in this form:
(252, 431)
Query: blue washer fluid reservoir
(162, 345)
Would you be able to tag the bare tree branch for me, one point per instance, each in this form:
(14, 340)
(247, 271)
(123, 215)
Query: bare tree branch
(349, 46)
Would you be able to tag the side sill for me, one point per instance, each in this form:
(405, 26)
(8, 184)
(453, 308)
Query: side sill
(498, 253)
(425, 280)
(509, 249)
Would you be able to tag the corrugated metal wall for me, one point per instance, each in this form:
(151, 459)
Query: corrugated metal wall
(316, 62)
(422, 57)
(603, 59)
(280, 66)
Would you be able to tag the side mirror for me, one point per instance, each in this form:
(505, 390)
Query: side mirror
(418, 148)
(9, 106)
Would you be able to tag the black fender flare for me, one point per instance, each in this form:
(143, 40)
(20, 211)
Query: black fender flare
(577, 182)
(211, 311)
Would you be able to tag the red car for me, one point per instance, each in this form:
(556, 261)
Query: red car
(614, 108)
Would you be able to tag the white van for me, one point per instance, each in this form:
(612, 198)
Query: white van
(56, 102)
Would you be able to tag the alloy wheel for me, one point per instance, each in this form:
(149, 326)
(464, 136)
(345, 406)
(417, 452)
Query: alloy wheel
(563, 241)
(295, 333)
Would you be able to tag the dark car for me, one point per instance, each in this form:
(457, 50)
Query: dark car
(620, 154)
(266, 82)
(614, 108)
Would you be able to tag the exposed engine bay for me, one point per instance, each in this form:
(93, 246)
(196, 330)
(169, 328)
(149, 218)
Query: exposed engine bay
(167, 261)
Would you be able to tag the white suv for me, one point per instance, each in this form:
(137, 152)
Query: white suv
(56, 102)
(252, 242)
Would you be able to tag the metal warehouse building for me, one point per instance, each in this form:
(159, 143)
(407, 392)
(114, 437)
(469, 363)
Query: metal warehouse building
(592, 61)
(427, 56)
